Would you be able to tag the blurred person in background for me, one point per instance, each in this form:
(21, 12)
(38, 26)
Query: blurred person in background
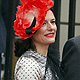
(71, 59)
(2, 36)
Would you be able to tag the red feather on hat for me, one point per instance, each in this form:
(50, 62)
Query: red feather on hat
(26, 13)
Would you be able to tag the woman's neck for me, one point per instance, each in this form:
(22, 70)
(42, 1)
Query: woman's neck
(42, 49)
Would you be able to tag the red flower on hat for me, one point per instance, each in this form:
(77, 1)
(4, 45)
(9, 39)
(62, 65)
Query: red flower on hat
(25, 14)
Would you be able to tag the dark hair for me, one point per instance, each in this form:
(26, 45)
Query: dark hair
(22, 46)
(52, 11)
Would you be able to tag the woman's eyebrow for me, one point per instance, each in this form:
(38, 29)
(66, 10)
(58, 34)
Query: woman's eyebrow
(53, 19)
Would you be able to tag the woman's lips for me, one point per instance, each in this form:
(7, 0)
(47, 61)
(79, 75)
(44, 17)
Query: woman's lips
(50, 35)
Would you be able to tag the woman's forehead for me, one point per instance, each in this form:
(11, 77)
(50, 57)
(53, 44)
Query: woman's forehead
(50, 15)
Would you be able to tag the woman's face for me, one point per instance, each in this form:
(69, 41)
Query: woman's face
(46, 34)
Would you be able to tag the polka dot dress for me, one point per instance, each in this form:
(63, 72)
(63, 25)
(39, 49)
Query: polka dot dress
(30, 66)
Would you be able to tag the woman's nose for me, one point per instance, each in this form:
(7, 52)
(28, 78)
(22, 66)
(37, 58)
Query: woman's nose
(52, 26)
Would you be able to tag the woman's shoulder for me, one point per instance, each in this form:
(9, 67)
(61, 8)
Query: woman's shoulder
(27, 66)
(31, 58)
(26, 58)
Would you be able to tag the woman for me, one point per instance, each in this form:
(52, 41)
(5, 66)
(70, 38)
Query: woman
(32, 52)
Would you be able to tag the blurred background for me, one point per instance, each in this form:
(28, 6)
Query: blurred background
(67, 15)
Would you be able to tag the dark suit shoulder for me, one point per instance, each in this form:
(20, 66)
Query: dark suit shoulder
(75, 41)
(71, 47)
(71, 59)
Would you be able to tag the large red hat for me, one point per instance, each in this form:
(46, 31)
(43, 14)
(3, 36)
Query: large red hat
(30, 11)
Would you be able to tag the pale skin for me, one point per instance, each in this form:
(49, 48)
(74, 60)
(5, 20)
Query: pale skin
(46, 34)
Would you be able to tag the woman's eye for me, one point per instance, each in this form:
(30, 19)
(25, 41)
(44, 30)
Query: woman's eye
(53, 22)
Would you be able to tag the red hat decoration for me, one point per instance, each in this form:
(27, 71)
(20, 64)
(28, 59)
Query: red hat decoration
(27, 12)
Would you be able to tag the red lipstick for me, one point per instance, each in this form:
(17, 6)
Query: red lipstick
(50, 35)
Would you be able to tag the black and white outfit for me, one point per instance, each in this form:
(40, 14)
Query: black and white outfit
(32, 66)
